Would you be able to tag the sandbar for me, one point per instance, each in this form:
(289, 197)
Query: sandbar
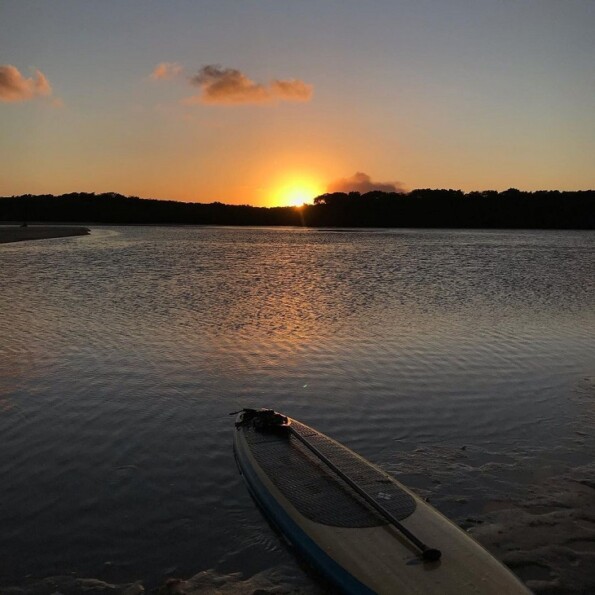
(39, 232)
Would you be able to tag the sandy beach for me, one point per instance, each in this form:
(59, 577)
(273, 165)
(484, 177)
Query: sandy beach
(19, 234)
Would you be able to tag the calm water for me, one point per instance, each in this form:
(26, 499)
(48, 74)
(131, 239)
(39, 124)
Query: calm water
(463, 362)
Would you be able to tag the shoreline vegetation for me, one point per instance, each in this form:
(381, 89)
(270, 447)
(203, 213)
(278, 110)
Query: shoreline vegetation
(39, 232)
(425, 208)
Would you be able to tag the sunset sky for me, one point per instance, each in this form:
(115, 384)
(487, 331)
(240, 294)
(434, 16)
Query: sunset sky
(274, 102)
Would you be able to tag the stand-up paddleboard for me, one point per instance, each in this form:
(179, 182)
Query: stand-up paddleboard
(354, 523)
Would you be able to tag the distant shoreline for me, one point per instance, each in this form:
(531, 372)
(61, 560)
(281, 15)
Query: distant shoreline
(35, 232)
(422, 208)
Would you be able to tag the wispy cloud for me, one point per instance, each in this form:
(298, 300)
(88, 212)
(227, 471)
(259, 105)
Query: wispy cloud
(361, 182)
(228, 86)
(166, 70)
(15, 87)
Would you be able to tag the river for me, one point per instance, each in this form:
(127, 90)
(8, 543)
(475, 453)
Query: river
(461, 361)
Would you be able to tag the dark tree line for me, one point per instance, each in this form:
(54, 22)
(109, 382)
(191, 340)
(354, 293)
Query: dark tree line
(453, 208)
(418, 208)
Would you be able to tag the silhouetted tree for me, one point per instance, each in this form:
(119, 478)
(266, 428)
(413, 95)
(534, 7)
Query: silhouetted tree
(418, 208)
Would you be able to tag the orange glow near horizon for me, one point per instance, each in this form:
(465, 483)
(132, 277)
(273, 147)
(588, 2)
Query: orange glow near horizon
(296, 193)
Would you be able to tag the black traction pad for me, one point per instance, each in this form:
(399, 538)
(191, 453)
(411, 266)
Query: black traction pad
(315, 490)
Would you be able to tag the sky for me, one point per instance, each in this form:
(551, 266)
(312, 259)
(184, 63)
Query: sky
(273, 102)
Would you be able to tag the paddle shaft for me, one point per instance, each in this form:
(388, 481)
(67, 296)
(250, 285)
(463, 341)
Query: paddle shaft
(430, 554)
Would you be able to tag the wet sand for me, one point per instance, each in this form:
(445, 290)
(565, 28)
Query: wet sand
(19, 234)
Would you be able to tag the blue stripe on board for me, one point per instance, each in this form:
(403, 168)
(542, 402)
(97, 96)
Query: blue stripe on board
(317, 557)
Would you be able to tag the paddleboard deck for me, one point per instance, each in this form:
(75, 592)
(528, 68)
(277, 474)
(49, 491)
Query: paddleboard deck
(353, 522)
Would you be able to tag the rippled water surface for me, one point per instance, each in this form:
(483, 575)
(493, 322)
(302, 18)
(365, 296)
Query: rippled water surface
(462, 361)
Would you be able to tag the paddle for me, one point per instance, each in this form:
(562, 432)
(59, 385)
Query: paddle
(270, 420)
(429, 554)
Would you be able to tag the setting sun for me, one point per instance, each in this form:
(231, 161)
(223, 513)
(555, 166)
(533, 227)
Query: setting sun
(297, 193)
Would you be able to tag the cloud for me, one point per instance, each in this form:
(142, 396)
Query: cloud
(15, 87)
(361, 182)
(166, 70)
(228, 86)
